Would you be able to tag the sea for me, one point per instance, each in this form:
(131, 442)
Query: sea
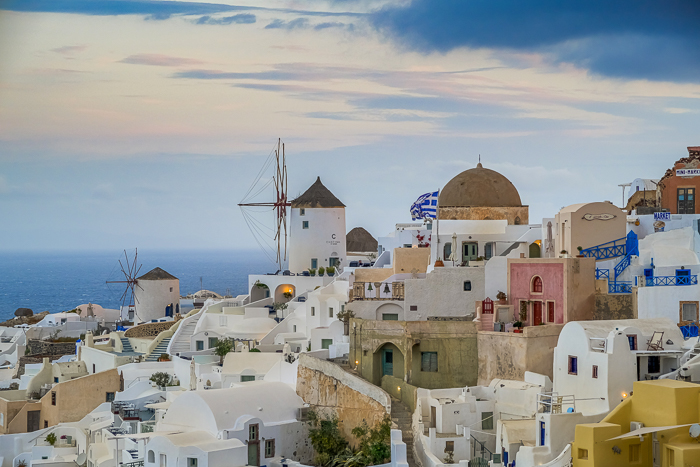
(58, 281)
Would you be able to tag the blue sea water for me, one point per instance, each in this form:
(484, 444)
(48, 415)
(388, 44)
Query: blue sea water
(59, 281)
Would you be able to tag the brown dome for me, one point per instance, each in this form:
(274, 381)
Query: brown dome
(479, 187)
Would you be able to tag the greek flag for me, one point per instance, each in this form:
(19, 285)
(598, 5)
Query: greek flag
(425, 206)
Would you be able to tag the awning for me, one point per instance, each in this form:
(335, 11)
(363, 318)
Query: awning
(159, 405)
(649, 429)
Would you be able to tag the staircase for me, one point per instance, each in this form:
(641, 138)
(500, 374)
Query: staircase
(181, 341)
(161, 348)
(486, 322)
(126, 345)
(401, 415)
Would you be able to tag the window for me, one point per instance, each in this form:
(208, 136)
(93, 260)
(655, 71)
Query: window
(302, 211)
(467, 286)
(46, 423)
(212, 342)
(305, 225)
(582, 453)
(314, 263)
(330, 312)
(573, 365)
(689, 311)
(294, 327)
(595, 371)
(191, 462)
(223, 321)
(55, 379)
(634, 452)
(326, 343)
(447, 250)
(246, 378)
(171, 289)
(269, 448)
(151, 457)
(654, 364)
(53, 397)
(163, 460)
(428, 361)
(686, 200)
(313, 311)
(449, 446)
(487, 420)
(414, 307)
(109, 397)
(342, 308)
(253, 432)
(199, 345)
(632, 338)
(537, 285)
(390, 316)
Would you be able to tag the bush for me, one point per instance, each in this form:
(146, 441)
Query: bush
(223, 347)
(254, 350)
(51, 438)
(321, 271)
(326, 438)
(330, 270)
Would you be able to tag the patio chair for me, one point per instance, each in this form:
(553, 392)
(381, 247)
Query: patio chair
(656, 341)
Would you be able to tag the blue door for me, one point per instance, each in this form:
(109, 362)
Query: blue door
(169, 310)
(541, 433)
(682, 276)
(649, 276)
(388, 362)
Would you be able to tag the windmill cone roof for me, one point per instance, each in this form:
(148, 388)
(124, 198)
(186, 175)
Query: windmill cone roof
(157, 274)
(317, 196)
(358, 239)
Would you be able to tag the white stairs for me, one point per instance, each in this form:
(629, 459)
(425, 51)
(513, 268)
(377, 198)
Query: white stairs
(180, 342)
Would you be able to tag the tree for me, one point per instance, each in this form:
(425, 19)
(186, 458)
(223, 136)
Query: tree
(326, 438)
(223, 347)
(161, 379)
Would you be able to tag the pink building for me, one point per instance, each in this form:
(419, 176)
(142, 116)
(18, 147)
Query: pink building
(551, 290)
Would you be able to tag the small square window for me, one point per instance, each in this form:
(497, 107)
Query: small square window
(55, 379)
(199, 345)
(449, 446)
(171, 289)
(429, 361)
(595, 371)
(253, 432)
(246, 378)
(302, 211)
(573, 365)
(109, 397)
(191, 462)
(330, 312)
(414, 307)
(467, 286)
(46, 425)
(212, 342)
(305, 225)
(583, 453)
(53, 397)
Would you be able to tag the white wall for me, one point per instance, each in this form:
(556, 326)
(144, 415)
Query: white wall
(442, 293)
(324, 237)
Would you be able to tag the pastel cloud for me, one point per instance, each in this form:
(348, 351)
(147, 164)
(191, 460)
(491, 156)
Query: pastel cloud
(243, 18)
(159, 60)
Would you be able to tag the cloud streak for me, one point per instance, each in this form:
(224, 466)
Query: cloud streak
(243, 18)
(159, 60)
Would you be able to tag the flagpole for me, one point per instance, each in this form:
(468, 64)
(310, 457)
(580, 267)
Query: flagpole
(438, 261)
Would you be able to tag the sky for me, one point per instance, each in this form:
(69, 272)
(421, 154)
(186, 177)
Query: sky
(143, 123)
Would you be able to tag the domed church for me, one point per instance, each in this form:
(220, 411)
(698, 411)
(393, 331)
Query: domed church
(481, 194)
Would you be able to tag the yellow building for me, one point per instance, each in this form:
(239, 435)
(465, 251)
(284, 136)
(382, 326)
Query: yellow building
(653, 421)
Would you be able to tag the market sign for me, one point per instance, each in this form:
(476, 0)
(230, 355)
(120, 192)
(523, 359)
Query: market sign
(687, 172)
(662, 216)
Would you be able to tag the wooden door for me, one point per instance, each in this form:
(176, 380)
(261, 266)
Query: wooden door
(470, 251)
(537, 313)
(550, 312)
(33, 417)
(388, 362)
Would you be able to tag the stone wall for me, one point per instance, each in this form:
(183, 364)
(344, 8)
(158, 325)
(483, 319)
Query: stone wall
(617, 306)
(401, 390)
(148, 329)
(30, 359)
(486, 213)
(508, 355)
(39, 347)
(331, 391)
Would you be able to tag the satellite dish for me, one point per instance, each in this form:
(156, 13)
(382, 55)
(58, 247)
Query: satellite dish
(81, 458)
(694, 431)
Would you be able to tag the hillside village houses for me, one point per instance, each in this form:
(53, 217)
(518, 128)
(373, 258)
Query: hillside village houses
(508, 342)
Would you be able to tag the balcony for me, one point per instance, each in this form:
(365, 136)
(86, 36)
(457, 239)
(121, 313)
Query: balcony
(657, 281)
(377, 291)
(552, 402)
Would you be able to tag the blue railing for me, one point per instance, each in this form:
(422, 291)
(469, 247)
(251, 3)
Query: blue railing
(690, 330)
(606, 250)
(602, 273)
(671, 280)
(620, 287)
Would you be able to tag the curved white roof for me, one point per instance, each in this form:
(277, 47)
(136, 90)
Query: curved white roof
(202, 440)
(260, 362)
(214, 410)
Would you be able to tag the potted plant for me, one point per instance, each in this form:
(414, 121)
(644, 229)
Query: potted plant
(288, 295)
(330, 270)
(564, 254)
(501, 296)
(321, 271)
(580, 249)
(51, 438)
(312, 271)
(164, 357)
(161, 379)
(518, 326)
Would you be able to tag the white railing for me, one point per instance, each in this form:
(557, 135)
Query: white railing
(552, 402)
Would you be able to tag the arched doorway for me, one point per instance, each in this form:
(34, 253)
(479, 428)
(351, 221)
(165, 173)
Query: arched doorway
(283, 289)
(390, 312)
(534, 250)
(258, 292)
(388, 361)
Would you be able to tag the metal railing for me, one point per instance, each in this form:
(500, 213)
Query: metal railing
(670, 280)
(620, 287)
(607, 250)
(132, 464)
(483, 451)
(552, 402)
(602, 273)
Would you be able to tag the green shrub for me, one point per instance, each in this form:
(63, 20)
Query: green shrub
(51, 438)
(161, 378)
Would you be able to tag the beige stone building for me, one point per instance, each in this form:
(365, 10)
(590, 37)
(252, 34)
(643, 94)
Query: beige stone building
(587, 225)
